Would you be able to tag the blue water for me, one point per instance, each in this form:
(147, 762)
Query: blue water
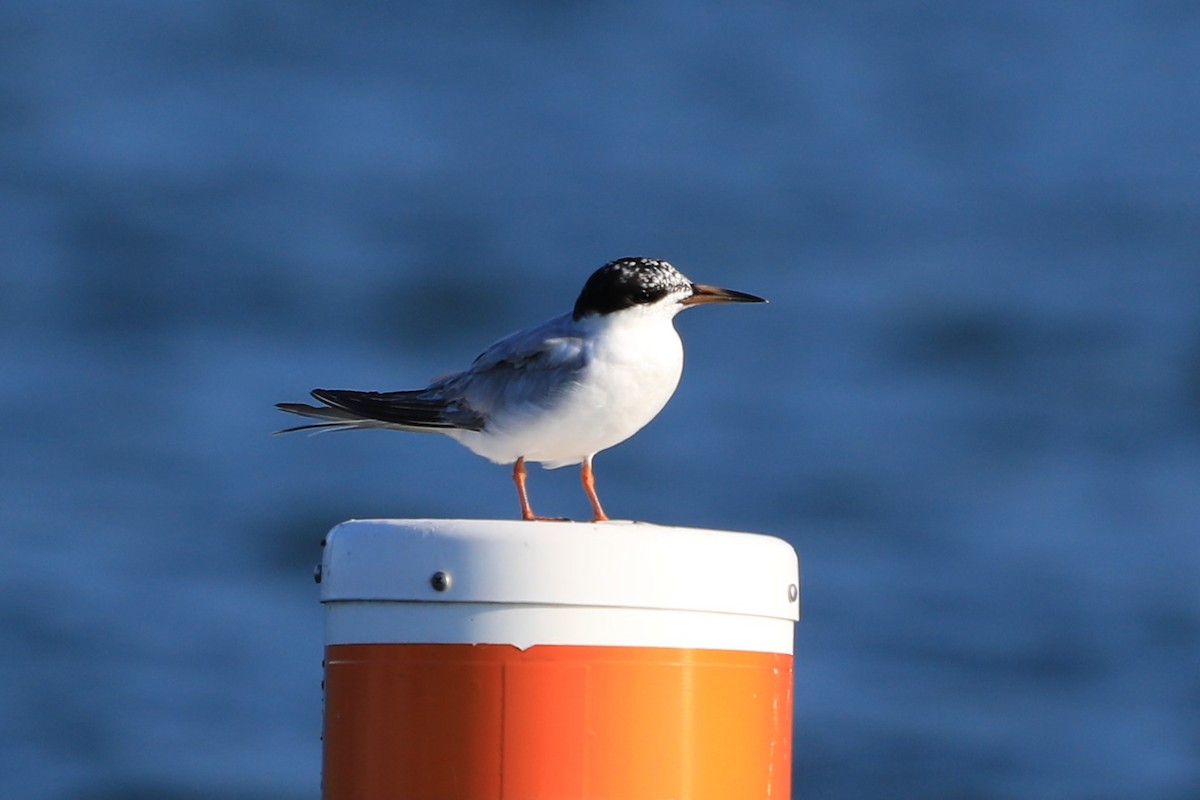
(973, 404)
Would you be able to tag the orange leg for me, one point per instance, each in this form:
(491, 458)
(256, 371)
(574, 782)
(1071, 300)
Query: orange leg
(589, 486)
(527, 514)
(519, 474)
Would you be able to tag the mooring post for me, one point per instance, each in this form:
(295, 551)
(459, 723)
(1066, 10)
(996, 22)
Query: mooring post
(510, 660)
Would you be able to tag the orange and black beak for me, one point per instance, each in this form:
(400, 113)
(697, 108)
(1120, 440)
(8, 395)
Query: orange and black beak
(702, 293)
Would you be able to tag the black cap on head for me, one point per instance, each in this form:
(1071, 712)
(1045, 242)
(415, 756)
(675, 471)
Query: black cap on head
(628, 282)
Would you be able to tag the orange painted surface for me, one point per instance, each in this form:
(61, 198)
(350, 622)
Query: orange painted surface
(555, 722)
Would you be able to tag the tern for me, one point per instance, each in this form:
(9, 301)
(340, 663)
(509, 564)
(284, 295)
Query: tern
(557, 393)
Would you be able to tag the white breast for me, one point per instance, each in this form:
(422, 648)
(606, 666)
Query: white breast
(633, 358)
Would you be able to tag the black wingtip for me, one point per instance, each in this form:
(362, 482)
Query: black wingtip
(338, 397)
(316, 427)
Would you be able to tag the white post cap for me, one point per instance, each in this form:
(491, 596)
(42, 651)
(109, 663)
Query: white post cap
(526, 583)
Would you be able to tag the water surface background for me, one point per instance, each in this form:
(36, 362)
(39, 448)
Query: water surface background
(973, 403)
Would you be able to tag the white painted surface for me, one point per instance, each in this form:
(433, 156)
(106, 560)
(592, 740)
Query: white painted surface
(528, 625)
(526, 583)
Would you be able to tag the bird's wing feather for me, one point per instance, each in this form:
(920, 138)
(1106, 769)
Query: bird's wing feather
(420, 409)
(524, 370)
(335, 418)
(551, 344)
(520, 373)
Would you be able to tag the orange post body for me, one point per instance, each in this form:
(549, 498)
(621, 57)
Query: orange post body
(555, 722)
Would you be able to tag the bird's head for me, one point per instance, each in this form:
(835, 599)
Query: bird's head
(648, 282)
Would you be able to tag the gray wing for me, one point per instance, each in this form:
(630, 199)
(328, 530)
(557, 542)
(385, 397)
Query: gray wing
(523, 371)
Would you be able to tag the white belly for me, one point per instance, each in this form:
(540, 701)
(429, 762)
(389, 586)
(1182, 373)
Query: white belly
(631, 373)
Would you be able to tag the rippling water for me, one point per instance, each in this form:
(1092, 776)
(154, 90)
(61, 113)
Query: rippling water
(973, 404)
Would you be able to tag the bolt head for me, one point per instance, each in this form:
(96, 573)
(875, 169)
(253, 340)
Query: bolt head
(440, 581)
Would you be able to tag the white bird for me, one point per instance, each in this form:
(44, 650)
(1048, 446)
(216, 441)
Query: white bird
(556, 393)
